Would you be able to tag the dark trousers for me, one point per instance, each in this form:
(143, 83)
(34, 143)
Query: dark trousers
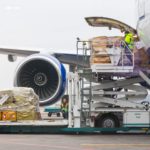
(65, 114)
(129, 55)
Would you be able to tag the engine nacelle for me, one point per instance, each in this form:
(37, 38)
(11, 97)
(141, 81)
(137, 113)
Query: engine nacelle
(45, 74)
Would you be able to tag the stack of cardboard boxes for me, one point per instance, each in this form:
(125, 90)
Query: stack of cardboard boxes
(100, 46)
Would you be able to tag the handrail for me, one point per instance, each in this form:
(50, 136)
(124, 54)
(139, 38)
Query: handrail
(124, 43)
(85, 46)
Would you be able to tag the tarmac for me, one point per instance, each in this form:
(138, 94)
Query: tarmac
(74, 142)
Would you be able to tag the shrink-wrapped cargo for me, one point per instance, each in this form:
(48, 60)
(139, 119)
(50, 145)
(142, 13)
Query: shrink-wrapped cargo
(22, 101)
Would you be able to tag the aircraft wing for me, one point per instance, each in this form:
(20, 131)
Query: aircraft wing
(17, 52)
(70, 59)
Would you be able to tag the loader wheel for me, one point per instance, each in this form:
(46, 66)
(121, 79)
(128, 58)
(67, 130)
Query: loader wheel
(108, 121)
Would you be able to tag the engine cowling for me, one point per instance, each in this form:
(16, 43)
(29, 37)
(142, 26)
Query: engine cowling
(45, 74)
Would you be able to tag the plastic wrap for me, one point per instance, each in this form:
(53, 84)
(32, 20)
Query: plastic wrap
(21, 100)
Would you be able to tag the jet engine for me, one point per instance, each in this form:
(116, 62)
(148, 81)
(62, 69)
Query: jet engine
(45, 74)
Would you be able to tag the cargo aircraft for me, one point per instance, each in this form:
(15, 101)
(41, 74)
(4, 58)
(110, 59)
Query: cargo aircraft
(46, 74)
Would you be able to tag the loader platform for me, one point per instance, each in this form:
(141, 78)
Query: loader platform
(59, 127)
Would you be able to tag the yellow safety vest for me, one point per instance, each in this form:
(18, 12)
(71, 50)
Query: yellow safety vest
(129, 40)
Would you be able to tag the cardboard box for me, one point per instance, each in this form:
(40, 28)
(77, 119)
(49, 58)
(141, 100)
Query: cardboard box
(0, 116)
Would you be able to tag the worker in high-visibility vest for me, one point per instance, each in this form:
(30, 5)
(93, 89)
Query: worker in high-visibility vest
(129, 40)
(64, 106)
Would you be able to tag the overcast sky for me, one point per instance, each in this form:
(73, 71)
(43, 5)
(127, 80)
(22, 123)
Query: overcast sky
(53, 25)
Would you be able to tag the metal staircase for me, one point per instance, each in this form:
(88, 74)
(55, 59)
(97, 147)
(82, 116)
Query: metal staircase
(86, 98)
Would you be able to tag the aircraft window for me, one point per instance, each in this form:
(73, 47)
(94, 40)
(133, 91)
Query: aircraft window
(141, 12)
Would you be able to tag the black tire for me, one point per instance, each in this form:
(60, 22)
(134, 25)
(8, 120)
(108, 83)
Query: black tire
(108, 121)
(49, 114)
(58, 114)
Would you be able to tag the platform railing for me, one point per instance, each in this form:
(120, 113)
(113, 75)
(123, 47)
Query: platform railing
(120, 55)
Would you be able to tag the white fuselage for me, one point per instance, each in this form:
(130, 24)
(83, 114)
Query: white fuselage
(143, 24)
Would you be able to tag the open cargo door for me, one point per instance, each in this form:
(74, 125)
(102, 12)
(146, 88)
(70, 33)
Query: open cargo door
(110, 23)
